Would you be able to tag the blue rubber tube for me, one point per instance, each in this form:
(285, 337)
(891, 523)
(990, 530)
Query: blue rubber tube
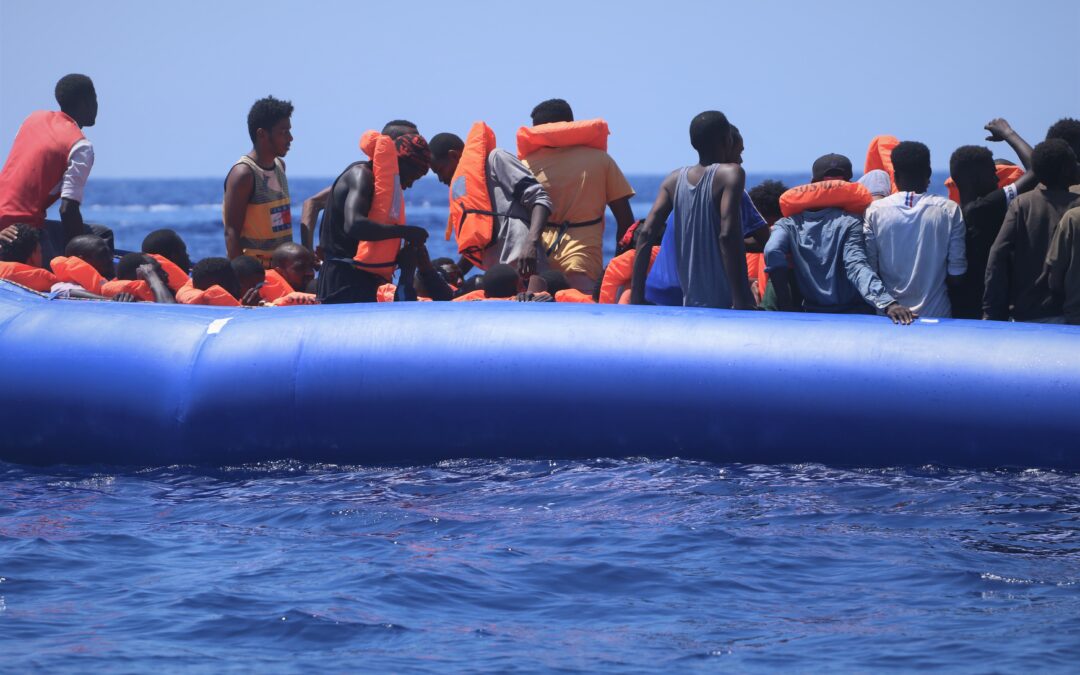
(144, 384)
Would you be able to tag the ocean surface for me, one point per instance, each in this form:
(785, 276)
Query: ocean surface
(615, 564)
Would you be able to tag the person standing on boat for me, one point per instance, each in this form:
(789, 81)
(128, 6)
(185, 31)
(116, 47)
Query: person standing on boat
(51, 159)
(363, 224)
(915, 240)
(256, 209)
(706, 199)
(570, 161)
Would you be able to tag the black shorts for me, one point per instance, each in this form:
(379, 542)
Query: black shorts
(341, 283)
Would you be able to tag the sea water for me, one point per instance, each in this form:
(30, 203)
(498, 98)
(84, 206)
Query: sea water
(613, 564)
(626, 565)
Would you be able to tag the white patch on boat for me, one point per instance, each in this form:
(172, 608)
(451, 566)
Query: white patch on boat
(920, 320)
(216, 325)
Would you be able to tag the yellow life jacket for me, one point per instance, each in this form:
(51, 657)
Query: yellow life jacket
(268, 218)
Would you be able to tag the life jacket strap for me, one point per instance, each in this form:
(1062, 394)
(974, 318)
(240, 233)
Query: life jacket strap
(563, 227)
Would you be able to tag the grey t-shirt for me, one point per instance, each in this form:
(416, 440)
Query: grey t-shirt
(514, 191)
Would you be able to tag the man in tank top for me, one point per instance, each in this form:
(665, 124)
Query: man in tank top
(706, 199)
(256, 208)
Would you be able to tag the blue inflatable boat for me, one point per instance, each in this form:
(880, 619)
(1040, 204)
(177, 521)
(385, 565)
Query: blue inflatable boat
(144, 384)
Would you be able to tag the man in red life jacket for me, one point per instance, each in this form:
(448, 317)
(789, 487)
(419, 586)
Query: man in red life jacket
(49, 160)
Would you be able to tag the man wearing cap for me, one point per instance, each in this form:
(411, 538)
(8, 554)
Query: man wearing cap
(823, 250)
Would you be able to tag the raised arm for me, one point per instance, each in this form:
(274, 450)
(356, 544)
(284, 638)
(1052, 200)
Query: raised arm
(648, 235)
(1000, 130)
(239, 185)
(730, 182)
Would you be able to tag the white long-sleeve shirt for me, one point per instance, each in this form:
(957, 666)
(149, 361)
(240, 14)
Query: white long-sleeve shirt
(80, 162)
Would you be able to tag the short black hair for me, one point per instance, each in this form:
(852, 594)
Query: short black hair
(1068, 130)
(709, 128)
(439, 262)
(214, 271)
(473, 283)
(1054, 164)
(556, 281)
(129, 263)
(501, 281)
(552, 110)
(266, 112)
(766, 198)
(281, 255)
(20, 250)
(441, 145)
(164, 242)
(395, 128)
(73, 89)
(911, 159)
(247, 266)
(84, 244)
(966, 161)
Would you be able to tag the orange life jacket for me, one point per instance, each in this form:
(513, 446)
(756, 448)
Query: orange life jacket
(277, 291)
(471, 216)
(34, 278)
(176, 276)
(387, 205)
(589, 133)
(478, 294)
(879, 156)
(36, 165)
(618, 275)
(755, 269)
(1007, 174)
(851, 197)
(215, 295)
(573, 295)
(77, 271)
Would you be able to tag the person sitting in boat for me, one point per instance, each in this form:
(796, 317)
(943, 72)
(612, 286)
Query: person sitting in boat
(51, 159)
(914, 239)
(498, 210)
(139, 267)
(294, 266)
(20, 259)
(766, 199)
(706, 199)
(87, 270)
(1016, 283)
(363, 224)
(214, 282)
(571, 162)
(819, 243)
(256, 208)
(171, 252)
(263, 287)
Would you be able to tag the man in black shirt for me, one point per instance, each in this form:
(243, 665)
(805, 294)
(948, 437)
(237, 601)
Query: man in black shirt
(983, 204)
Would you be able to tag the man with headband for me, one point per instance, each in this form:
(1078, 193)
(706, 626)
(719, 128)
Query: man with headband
(346, 223)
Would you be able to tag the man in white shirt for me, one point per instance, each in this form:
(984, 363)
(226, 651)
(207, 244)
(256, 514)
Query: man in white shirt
(51, 159)
(915, 240)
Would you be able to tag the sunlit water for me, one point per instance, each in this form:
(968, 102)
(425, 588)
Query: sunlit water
(511, 565)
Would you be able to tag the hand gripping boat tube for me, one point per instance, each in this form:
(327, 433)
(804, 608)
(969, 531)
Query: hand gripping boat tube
(146, 384)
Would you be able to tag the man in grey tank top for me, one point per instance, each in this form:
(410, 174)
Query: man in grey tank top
(706, 197)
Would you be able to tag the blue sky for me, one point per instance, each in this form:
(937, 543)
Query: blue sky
(175, 80)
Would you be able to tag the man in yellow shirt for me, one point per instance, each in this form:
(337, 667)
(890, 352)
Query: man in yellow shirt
(582, 181)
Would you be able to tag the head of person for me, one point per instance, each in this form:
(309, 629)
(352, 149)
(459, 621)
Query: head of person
(710, 135)
(395, 128)
(449, 271)
(555, 280)
(128, 266)
(1054, 164)
(446, 152)
(414, 158)
(502, 281)
(552, 110)
(26, 247)
(77, 99)
(215, 272)
(249, 272)
(93, 250)
(473, 283)
(270, 125)
(168, 244)
(911, 166)
(972, 169)
(831, 167)
(737, 145)
(295, 263)
(766, 198)
(1068, 130)
(878, 183)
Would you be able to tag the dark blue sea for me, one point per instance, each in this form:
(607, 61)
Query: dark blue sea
(614, 564)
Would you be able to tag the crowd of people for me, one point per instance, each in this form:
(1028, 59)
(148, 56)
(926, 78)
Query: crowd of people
(1005, 244)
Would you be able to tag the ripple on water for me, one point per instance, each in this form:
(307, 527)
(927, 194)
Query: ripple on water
(604, 564)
